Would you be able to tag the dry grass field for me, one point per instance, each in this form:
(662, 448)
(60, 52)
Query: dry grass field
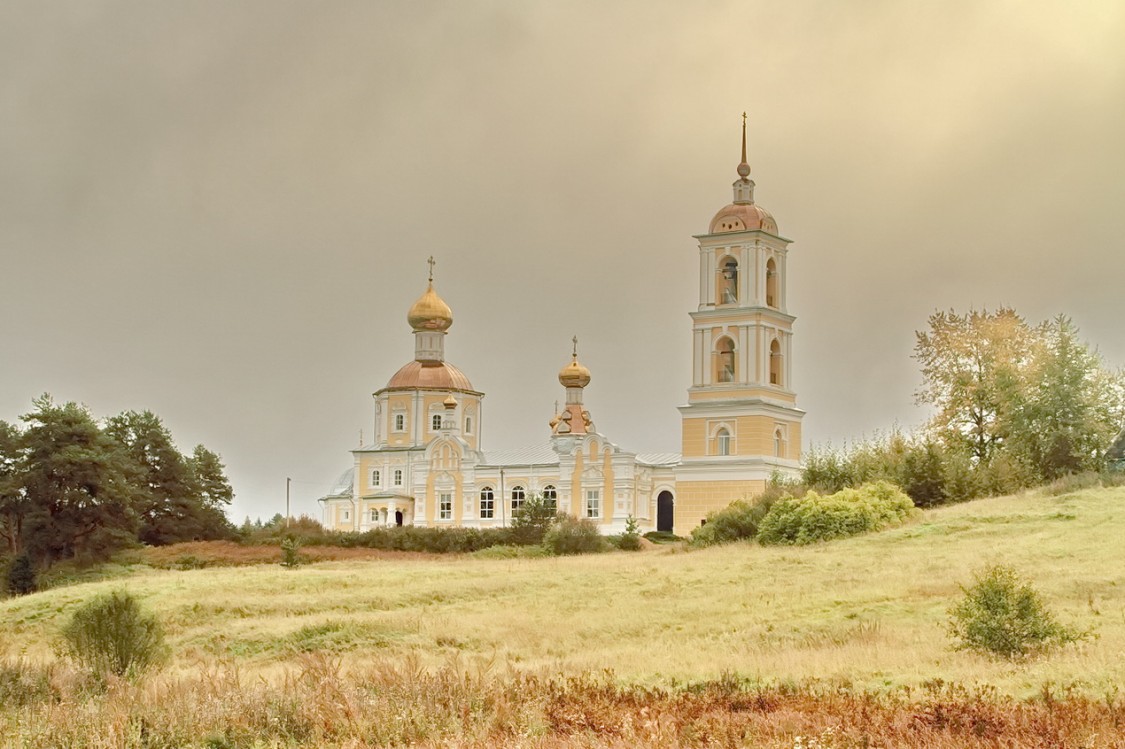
(843, 623)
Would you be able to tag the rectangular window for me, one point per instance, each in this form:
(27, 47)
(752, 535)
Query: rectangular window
(374, 478)
(347, 515)
(593, 503)
(445, 507)
(435, 423)
(398, 477)
(400, 422)
(374, 515)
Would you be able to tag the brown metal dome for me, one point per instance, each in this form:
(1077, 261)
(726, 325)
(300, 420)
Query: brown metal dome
(430, 375)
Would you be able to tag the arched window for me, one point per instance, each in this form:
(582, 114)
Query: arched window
(771, 283)
(435, 423)
(724, 364)
(722, 442)
(468, 425)
(375, 478)
(728, 286)
(550, 496)
(775, 363)
(400, 422)
(518, 496)
(487, 503)
(398, 477)
(778, 443)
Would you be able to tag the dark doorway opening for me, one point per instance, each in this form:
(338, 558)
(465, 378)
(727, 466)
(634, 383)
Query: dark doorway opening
(665, 511)
(398, 517)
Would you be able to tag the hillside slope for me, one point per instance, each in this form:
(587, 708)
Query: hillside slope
(869, 611)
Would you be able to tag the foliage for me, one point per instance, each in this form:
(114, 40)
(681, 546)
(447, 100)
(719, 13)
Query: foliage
(77, 490)
(290, 553)
(531, 521)
(71, 490)
(631, 539)
(417, 538)
(1023, 404)
(848, 512)
(180, 498)
(112, 635)
(570, 535)
(1003, 615)
(21, 576)
(737, 521)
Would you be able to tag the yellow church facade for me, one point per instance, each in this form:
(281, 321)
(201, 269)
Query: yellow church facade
(425, 464)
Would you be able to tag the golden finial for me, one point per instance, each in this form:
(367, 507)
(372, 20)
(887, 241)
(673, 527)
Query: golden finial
(433, 262)
(575, 353)
(743, 167)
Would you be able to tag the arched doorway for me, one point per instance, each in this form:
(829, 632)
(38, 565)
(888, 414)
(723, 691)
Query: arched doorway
(398, 517)
(665, 511)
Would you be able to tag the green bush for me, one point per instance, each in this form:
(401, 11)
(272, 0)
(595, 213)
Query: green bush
(290, 553)
(738, 520)
(21, 576)
(112, 635)
(531, 521)
(1002, 615)
(848, 512)
(416, 538)
(571, 535)
(630, 540)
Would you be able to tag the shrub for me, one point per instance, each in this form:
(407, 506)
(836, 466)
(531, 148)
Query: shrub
(1002, 615)
(112, 635)
(21, 576)
(290, 553)
(531, 521)
(631, 539)
(848, 512)
(738, 520)
(571, 535)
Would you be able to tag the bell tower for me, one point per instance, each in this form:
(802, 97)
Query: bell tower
(741, 424)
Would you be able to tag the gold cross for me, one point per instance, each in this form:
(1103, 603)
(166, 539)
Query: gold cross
(575, 339)
(743, 118)
(432, 263)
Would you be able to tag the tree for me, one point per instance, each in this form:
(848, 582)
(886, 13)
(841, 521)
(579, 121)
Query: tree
(182, 499)
(972, 372)
(13, 501)
(112, 635)
(76, 490)
(1074, 405)
(532, 520)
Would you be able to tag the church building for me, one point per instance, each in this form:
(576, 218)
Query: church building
(425, 464)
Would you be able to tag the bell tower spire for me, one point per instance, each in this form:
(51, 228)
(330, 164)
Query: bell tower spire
(743, 186)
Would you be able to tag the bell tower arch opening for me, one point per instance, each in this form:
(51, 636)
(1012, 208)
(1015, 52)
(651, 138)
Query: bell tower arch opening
(725, 366)
(771, 284)
(727, 293)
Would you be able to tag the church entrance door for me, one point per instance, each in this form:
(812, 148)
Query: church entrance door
(665, 511)
(398, 517)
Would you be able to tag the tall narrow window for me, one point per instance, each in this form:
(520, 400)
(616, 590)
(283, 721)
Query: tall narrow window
(779, 444)
(593, 503)
(518, 496)
(435, 423)
(724, 355)
(771, 283)
(445, 507)
(400, 422)
(375, 478)
(374, 515)
(487, 503)
(775, 363)
(729, 288)
(468, 425)
(550, 496)
(398, 477)
(722, 442)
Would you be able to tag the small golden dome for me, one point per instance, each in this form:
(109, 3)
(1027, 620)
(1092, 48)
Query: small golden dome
(430, 312)
(574, 375)
(450, 402)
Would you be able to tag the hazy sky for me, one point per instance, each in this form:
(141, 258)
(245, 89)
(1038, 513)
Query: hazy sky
(220, 211)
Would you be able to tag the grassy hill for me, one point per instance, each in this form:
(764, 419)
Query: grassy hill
(869, 612)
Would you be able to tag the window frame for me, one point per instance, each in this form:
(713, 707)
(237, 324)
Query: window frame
(593, 504)
(487, 499)
(445, 506)
(398, 477)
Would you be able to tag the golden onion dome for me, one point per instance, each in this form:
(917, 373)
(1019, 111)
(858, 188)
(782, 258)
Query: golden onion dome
(430, 312)
(574, 375)
(450, 402)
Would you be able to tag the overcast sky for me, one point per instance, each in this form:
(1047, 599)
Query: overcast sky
(221, 211)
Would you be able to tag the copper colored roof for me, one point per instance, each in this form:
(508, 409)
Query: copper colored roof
(743, 217)
(431, 374)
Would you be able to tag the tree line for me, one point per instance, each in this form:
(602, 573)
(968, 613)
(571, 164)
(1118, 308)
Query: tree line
(74, 488)
(1014, 405)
